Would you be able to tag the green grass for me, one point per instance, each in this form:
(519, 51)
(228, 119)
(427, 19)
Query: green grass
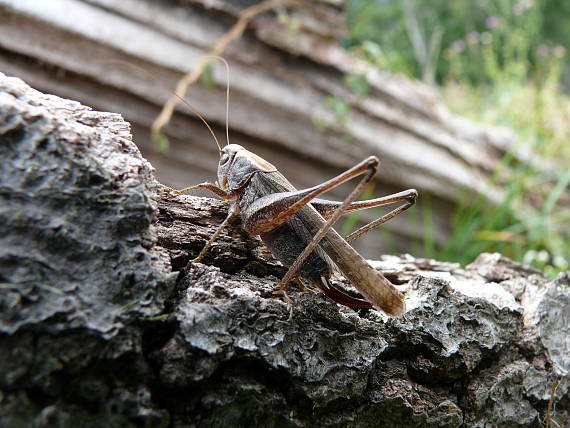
(501, 63)
(532, 222)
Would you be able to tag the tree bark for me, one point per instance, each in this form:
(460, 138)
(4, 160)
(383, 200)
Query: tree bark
(99, 328)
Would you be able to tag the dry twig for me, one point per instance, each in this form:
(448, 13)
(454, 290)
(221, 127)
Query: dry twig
(548, 418)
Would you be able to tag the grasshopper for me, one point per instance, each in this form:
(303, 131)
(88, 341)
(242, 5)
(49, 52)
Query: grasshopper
(296, 226)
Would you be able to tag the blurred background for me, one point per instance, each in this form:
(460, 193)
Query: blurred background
(465, 101)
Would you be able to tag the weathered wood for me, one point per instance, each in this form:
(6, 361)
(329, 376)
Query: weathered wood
(98, 327)
(280, 80)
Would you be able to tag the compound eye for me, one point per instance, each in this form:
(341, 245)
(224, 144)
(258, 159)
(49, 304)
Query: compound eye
(225, 157)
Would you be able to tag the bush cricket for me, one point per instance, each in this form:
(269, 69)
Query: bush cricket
(296, 226)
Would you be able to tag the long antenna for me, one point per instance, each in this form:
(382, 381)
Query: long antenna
(219, 58)
(165, 86)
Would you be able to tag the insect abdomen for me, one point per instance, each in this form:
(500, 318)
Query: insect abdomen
(287, 241)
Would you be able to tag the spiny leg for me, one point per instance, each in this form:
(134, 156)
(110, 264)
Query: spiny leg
(409, 198)
(369, 166)
(209, 186)
(281, 292)
(234, 209)
(327, 208)
(297, 280)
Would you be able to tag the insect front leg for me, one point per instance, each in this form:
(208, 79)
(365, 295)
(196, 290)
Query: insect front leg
(226, 196)
(234, 209)
(214, 188)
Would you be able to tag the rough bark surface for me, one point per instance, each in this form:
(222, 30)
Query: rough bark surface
(98, 329)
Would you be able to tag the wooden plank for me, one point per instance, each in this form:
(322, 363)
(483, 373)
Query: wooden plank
(280, 84)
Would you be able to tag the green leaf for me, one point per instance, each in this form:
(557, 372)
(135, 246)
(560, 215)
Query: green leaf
(358, 83)
(207, 76)
(161, 142)
(320, 124)
(339, 107)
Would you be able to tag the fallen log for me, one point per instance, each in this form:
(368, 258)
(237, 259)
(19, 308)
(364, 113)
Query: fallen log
(99, 328)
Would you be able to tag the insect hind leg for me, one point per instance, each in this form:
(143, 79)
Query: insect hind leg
(408, 196)
(368, 167)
